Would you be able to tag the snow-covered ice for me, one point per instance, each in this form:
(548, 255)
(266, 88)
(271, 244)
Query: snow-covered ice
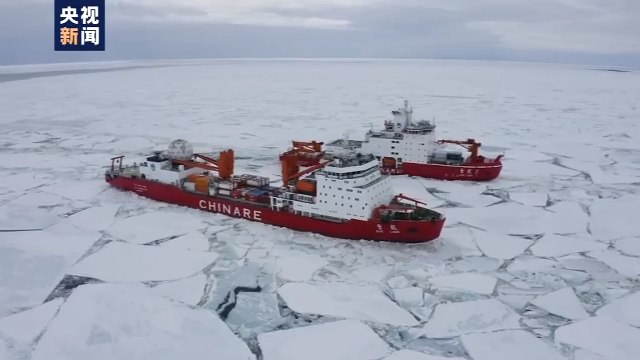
(341, 300)
(459, 318)
(508, 345)
(554, 234)
(343, 340)
(476, 283)
(563, 302)
(125, 321)
(122, 262)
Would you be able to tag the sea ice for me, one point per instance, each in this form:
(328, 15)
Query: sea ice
(340, 340)
(499, 246)
(614, 218)
(529, 198)
(14, 217)
(602, 336)
(143, 229)
(410, 297)
(406, 354)
(23, 181)
(515, 219)
(77, 190)
(551, 245)
(365, 303)
(38, 199)
(625, 265)
(475, 283)
(462, 237)
(122, 262)
(96, 218)
(372, 274)
(125, 321)
(470, 198)
(563, 303)
(508, 345)
(253, 310)
(23, 328)
(188, 291)
(624, 310)
(299, 267)
(476, 264)
(628, 246)
(192, 241)
(593, 267)
(460, 318)
(32, 264)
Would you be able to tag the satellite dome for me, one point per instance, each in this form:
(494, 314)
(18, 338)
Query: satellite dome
(180, 150)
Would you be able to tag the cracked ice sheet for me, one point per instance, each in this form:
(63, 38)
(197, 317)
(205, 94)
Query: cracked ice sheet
(300, 267)
(516, 219)
(125, 321)
(628, 246)
(602, 336)
(96, 218)
(460, 318)
(122, 262)
(33, 263)
(625, 265)
(191, 241)
(529, 170)
(624, 310)
(188, 291)
(470, 198)
(23, 328)
(508, 345)
(367, 303)
(340, 340)
(405, 354)
(14, 217)
(145, 228)
(563, 303)
(82, 190)
(499, 246)
(469, 282)
(614, 218)
(23, 181)
(529, 198)
(551, 245)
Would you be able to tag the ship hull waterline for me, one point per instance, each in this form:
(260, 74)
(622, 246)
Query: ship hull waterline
(471, 172)
(403, 231)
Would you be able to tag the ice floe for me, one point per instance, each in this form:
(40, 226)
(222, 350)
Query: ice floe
(406, 354)
(14, 217)
(299, 267)
(410, 297)
(469, 198)
(462, 237)
(253, 310)
(122, 262)
(192, 241)
(602, 336)
(23, 181)
(475, 283)
(21, 330)
(341, 300)
(32, 263)
(625, 265)
(38, 199)
(125, 321)
(516, 219)
(346, 339)
(189, 291)
(508, 345)
(551, 245)
(146, 228)
(500, 246)
(614, 218)
(96, 218)
(563, 303)
(460, 318)
(624, 310)
(77, 190)
(628, 246)
(529, 198)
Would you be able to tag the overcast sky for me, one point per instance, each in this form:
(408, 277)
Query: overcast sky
(576, 31)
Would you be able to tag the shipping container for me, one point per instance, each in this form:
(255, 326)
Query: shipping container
(224, 192)
(213, 191)
(190, 186)
(250, 197)
(228, 185)
(236, 194)
(388, 162)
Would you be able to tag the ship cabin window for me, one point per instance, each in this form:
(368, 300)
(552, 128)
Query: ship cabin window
(349, 190)
(399, 159)
(359, 192)
(340, 189)
(393, 147)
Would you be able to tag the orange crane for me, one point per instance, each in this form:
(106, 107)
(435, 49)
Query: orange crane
(224, 166)
(291, 171)
(470, 144)
(308, 152)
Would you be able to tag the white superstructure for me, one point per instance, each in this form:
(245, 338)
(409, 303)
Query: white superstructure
(351, 186)
(401, 140)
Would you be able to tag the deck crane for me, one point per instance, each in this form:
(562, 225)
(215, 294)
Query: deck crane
(470, 144)
(309, 152)
(224, 166)
(291, 172)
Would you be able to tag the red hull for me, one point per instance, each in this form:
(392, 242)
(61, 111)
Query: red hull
(468, 172)
(395, 231)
